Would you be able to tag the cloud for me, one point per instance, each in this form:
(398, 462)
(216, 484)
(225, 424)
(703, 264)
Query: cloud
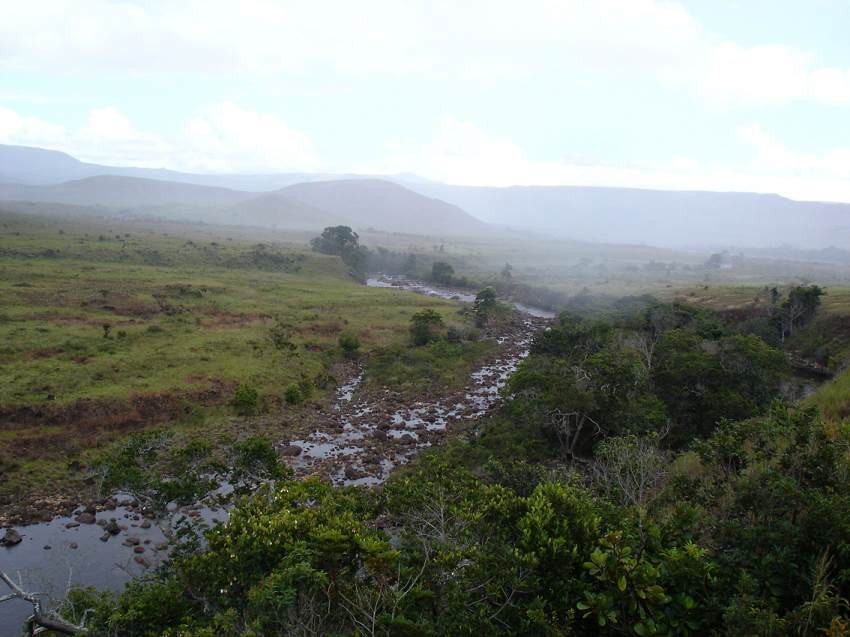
(226, 137)
(20, 129)
(774, 158)
(221, 138)
(380, 36)
(461, 153)
(472, 40)
(769, 75)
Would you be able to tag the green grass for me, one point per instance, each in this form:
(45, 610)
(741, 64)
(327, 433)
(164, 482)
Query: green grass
(437, 365)
(172, 327)
(832, 399)
(188, 312)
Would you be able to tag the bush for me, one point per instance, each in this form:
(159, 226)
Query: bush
(246, 399)
(425, 326)
(293, 394)
(349, 343)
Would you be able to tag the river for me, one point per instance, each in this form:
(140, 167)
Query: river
(401, 282)
(359, 441)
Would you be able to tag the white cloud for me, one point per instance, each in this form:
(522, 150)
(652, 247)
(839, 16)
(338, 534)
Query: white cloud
(770, 74)
(18, 129)
(222, 138)
(385, 36)
(472, 40)
(463, 154)
(831, 170)
(226, 137)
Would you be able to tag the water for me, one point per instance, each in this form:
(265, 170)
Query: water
(399, 282)
(363, 438)
(105, 565)
(361, 443)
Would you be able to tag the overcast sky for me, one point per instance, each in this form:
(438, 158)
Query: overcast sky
(748, 95)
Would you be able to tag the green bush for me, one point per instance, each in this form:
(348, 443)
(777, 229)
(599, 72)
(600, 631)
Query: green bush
(293, 395)
(349, 343)
(246, 400)
(425, 326)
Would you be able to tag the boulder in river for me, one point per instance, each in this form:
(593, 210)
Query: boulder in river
(112, 527)
(11, 538)
(86, 517)
(290, 451)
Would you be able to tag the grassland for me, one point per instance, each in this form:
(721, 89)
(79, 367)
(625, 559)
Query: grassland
(107, 328)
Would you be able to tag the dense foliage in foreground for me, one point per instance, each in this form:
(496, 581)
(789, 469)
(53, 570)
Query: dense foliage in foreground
(734, 525)
(747, 534)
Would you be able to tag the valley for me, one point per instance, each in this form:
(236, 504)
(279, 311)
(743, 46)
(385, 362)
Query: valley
(208, 389)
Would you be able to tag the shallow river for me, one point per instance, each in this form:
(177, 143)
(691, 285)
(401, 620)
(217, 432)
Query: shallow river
(360, 443)
(400, 282)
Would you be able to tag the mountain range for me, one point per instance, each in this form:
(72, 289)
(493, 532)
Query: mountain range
(409, 204)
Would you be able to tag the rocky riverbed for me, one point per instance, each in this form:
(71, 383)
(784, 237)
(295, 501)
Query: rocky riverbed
(362, 436)
(356, 438)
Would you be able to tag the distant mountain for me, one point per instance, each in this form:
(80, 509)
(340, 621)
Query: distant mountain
(385, 205)
(359, 203)
(39, 166)
(656, 217)
(115, 191)
(407, 203)
(275, 209)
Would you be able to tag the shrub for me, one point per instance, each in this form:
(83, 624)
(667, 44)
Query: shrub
(349, 343)
(425, 326)
(246, 399)
(293, 394)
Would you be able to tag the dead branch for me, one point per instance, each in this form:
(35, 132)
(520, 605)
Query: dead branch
(41, 620)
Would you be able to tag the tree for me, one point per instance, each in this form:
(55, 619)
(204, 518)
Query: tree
(341, 241)
(425, 326)
(798, 308)
(442, 272)
(484, 305)
(507, 272)
(714, 261)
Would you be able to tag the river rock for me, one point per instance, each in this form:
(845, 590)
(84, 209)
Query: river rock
(112, 527)
(138, 549)
(71, 525)
(86, 517)
(146, 524)
(353, 473)
(11, 538)
(290, 451)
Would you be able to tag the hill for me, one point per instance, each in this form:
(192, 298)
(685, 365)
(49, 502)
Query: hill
(276, 210)
(40, 166)
(659, 217)
(385, 205)
(359, 203)
(117, 191)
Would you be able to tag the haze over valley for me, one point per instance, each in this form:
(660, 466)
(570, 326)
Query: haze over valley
(404, 204)
(425, 318)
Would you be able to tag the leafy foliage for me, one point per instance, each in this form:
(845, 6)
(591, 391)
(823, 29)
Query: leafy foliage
(341, 241)
(425, 326)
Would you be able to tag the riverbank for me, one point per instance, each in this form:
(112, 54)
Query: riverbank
(368, 432)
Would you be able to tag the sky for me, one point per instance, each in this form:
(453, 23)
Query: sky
(706, 94)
